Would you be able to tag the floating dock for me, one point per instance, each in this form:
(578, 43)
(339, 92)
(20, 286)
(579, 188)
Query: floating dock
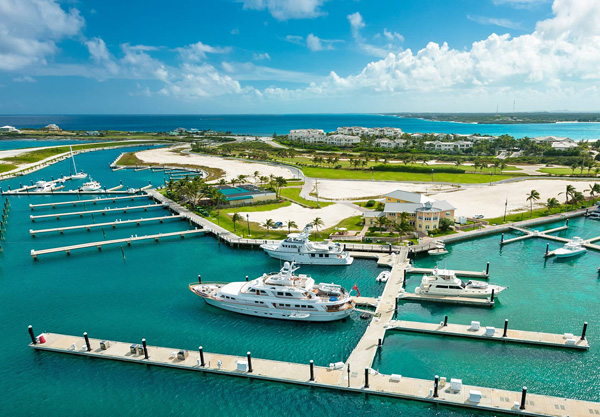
(568, 341)
(94, 201)
(473, 302)
(466, 274)
(128, 240)
(102, 211)
(97, 225)
(362, 380)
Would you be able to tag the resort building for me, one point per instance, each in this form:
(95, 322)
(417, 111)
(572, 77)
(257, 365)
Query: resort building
(389, 143)
(381, 132)
(308, 135)
(342, 140)
(245, 194)
(9, 129)
(424, 212)
(460, 145)
(52, 128)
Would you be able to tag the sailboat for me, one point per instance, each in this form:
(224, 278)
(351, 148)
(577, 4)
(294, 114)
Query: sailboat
(78, 175)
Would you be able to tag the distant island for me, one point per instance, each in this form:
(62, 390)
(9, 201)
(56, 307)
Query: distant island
(504, 118)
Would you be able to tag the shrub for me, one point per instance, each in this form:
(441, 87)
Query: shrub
(370, 203)
(418, 169)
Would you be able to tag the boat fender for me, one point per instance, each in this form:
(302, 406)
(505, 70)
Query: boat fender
(417, 290)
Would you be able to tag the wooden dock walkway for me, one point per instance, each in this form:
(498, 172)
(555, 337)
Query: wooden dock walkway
(361, 381)
(68, 192)
(366, 301)
(128, 240)
(113, 224)
(466, 274)
(491, 333)
(103, 211)
(472, 302)
(93, 202)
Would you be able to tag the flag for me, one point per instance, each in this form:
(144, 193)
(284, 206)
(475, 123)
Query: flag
(356, 288)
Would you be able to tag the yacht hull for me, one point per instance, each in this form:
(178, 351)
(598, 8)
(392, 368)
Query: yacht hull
(281, 314)
(568, 254)
(306, 259)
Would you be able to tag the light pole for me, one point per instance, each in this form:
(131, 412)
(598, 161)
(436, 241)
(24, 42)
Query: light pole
(431, 174)
(248, 221)
(372, 177)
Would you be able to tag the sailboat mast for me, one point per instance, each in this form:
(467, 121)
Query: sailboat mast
(73, 158)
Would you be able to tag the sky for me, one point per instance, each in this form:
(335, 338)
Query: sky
(298, 56)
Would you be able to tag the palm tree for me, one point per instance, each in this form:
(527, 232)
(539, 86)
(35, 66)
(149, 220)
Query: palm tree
(242, 178)
(596, 171)
(269, 224)
(382, 222)
(577, 198)
(552, 203)
(291, 224)
(233, 181)
(502, 167)
(531, 197)
(317, 222)
(222, 181)
(236, 218)
(594, 189)
(256, 176)
(280, 182)
(568, 194)
(573, 168)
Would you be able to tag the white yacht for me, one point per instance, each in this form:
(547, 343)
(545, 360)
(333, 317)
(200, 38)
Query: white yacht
(572, 248)
(280, 295)
(44, 186)
(91, 185)
(444, 282)
(298, 248)
(78, 175)
(383, 276)
(440, 249)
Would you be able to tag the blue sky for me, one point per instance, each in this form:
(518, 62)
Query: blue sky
(298, 56)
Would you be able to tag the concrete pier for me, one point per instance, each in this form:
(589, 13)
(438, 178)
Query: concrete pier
(99, 245)
(473, 302)
(111, 224)
(496, 334)
(466, 274)
(94, 201)
(394, 386)
(104, 210)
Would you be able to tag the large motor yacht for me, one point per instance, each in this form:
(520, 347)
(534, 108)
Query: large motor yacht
(572, 248)
(443, 282)
(298, 248)
(91, 185)
(280, 295)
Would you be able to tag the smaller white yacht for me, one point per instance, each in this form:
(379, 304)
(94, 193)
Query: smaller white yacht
(280, 295)
(383, 276)
(440, 249)
(443, 282)
(44, 187)
(298, 248)
(572, 248)
(90, 185)
(78, 175)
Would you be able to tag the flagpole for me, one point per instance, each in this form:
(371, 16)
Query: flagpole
(505, 205)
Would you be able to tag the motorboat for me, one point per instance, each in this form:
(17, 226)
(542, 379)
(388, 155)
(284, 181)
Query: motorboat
(443, 282)
(594, 215)
(45, 187)
(573, 247)
(298, 248)
(78, 175)
(383, 276)
(91, 185)
(440, 249)
(280, 295)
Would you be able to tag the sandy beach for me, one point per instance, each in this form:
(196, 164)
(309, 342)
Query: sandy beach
(232, 167)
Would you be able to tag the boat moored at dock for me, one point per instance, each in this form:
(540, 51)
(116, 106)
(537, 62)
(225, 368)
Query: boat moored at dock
(443, 282)
(299, 249)
(572, 248)
(280, 295)
(91, 185)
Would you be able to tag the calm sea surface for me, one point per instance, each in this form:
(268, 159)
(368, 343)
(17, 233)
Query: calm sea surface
(282, 124)
(146, 295)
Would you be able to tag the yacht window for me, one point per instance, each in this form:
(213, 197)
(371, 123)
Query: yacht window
(327, 255)
(310, 306)
(442, 286)
(287, 305)
(287, 294)
(279, 293)
(455, 287)
(312, 255)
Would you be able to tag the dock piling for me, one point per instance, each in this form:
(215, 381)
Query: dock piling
(492, 298)
(379, 343)
(145, 348)
(312, 370)
(32, 335)
(366, 377)
(87, 341)
(199, 279)
(435, 386)
(523, 395)
(547, 249)
(505, 327)
(584, 331)
(201, 356)
(249, 362)
(445, 321)
(487, 269)
(246, 278)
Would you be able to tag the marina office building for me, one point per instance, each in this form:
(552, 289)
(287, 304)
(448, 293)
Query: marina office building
(424, 212)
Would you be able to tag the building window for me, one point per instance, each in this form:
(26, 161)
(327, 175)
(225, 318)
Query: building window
(427, 227)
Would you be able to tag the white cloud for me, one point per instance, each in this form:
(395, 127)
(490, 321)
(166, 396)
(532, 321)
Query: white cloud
(25, 79)
(505, 23)
(202, 81)
(520, 4)
(297, 40)
(261, 56)
(287, 9)
(357, 23)
(197, 51)
(393, 36)
(314, 43)
(30, 29)
(100, 54)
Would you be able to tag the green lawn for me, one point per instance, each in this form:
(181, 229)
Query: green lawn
(223, 219)
(401, 176)
(566, 171)
(540, 212)
(7, 167)
(294, 194)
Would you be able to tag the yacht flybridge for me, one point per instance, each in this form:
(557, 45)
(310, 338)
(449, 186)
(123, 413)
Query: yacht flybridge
(572, 248)
(298, 248)
(443, 282)
(280, 295)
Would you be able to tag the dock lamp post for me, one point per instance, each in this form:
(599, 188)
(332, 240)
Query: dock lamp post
(248, 222)
(372, 175)
(431, 174)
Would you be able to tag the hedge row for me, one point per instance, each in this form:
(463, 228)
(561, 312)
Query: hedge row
(419, 169)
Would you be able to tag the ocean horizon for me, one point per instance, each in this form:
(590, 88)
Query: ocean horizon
(268, 124)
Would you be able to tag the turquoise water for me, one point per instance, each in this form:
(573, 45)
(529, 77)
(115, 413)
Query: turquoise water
(266, 124)
(146, 295)
(550, 295)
